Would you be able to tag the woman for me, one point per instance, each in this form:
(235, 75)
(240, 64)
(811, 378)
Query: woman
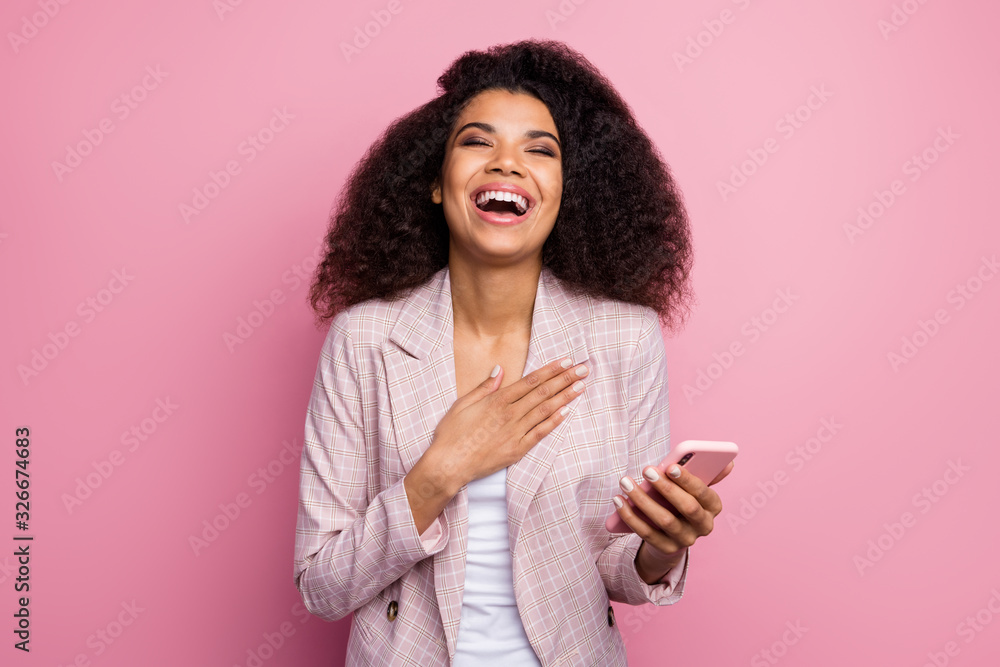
(494, 376)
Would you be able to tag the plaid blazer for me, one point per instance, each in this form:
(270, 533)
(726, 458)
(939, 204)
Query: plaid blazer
(385, 378)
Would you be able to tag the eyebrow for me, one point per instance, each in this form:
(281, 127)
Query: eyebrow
(530, 134)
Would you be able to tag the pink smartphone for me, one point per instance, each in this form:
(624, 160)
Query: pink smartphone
(705, 459)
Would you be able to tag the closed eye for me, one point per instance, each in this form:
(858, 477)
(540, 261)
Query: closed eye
(476, 141)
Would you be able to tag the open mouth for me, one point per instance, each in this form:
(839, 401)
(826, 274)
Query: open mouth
(502, 203)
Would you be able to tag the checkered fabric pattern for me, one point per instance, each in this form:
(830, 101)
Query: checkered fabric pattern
(385, 378)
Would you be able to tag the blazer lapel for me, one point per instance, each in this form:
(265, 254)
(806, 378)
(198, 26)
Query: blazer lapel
(420, 372)
(420, 366)
(419, 363)
(555, 333)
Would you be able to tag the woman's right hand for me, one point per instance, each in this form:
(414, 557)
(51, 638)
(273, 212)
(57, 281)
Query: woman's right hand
(486, 430)
(489, 428)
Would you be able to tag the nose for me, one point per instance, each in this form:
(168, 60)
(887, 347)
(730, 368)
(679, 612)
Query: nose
(505, 160)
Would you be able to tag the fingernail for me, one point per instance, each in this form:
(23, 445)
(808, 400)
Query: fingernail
(651, 474)
(618, 502)
(627, 485)
(496, 371)
(566, 363)
(674, 472)
(564, 411)
(578, 387)
(581, 371)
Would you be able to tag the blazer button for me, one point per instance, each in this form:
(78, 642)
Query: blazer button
(611, 616)
(393, 609)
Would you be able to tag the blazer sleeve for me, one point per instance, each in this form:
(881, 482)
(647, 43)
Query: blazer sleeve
(347, 548)
(649, 442)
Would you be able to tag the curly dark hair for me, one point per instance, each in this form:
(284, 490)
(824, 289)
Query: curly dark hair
(621, 233)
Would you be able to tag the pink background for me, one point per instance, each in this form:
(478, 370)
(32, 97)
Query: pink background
(789, 550)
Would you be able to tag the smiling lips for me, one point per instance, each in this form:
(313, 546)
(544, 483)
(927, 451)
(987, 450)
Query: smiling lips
(520, 203)
(502, 203)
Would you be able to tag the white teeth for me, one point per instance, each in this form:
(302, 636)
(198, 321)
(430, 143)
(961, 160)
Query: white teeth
(519, 201)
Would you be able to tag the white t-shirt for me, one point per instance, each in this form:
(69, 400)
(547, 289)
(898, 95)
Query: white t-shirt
(491, 631)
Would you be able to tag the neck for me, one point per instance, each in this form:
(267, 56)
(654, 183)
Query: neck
(492, 302)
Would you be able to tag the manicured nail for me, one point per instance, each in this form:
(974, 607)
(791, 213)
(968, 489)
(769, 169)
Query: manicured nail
(618, 502)
(578, 387)
(564, 411)
(674, 472)
(496, 371)
(581, 371)
(651, 474)
(627, 485)
(566, 363)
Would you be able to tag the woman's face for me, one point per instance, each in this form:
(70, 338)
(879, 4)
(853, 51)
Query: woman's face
(502, 142)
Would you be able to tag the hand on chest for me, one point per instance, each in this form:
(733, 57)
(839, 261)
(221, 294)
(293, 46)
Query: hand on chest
(475, 359)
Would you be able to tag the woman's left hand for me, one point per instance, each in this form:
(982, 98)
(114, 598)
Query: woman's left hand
(664, 542)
